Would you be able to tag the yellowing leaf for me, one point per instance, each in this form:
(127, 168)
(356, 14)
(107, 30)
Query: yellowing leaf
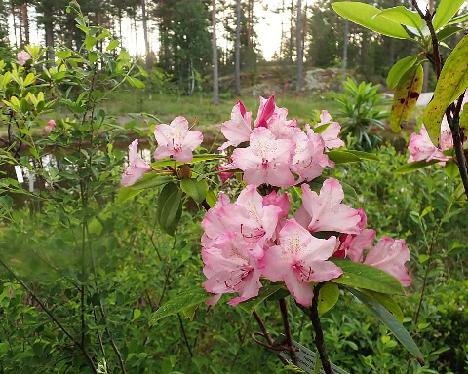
(452, 83)
(406, 95)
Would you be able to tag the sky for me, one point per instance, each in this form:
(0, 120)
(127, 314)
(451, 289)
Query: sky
(268, 29)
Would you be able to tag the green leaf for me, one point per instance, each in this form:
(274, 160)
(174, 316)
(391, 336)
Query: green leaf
(126, 193)
(89, 42)
(388, 302)
(401, 15)
(30, 78)
(391, 322)
(447, 32)
(152, 179)
(135, 82)
(445, 11)
(169, 208)
(399, 69)
(464, 118)
(412, 166)
(405, 98)
(184, 301)
(4, 347)
(452, 83)
(367, 277)
(196, 189)
(203, 157)
(328, 296)
(363, 14)
(343, 157)
(363, 155)
(460, 19)
(264, 293)
(112, 45)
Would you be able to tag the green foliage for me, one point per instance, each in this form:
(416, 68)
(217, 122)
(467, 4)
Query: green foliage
(360, 113)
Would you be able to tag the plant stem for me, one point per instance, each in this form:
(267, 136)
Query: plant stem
(319, 340)
(182, 330)
(287, 328)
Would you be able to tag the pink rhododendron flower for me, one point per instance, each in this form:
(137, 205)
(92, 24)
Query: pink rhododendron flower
(51, 125)
(279, 200)
(422, 149)
(309, 158)
(299, 259)
(22, 57)
(353, 245)
(265, 111)
(446, 140)
(230, 267)
(248, 218)
(224, 173)
(238, 129)
(390, 256)
(324, 212)
(266, 160)
(176, 140)
(136, 166)
(331, 134)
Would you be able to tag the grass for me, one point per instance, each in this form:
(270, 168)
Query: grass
(201, 110)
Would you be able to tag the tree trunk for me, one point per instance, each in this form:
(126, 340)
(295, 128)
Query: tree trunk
(237, 46)
(299, 62)
(291, 33)
(120, 23)
(13, 13)
(145, 35)
(24, 24)
(427, 65)
(215, 56)
(344, 63)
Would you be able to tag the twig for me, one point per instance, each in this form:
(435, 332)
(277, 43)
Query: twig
(51, 316)
(312, 313)
(287, 327)
(182, 330)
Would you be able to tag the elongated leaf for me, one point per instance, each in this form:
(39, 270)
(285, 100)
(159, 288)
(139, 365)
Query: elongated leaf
(328, 296)
(363, 14)
(406, 95)
(204, 157)
(391, 322)
(401, 15)
(460, 19)
(399, 69)
(464, 118)
(197, 190)
(152, 179)
(388, 302)
(367, 277)
(127, 193)
(169, 208)
(412, 166)
(363, 155)
(452, 83)
(264, 293)
(343, 157)
(184, 301)
(445, 11)
(447, 32)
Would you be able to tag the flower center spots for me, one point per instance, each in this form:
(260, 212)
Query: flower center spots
(252, 236)
(303, 273)
(237, 276)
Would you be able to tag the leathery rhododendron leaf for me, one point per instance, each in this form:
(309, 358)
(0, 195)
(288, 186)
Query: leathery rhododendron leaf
(452, 83)
(328, 296)
(367, 277)
(391, 322)
(406, 94)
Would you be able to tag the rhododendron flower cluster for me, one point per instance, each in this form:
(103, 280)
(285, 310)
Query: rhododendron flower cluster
(274, 150)
(260, 238)
(22, 57)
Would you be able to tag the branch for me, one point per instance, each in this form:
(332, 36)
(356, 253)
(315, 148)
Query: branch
(287, 328)
(313, 315)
